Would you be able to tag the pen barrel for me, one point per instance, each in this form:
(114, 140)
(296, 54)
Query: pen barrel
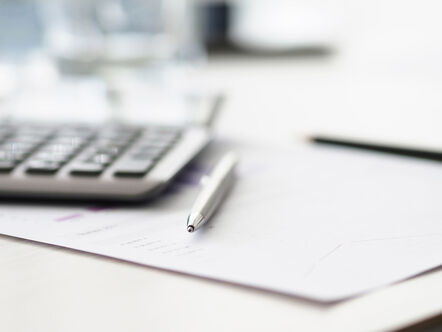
(216, 194)
(215, 188)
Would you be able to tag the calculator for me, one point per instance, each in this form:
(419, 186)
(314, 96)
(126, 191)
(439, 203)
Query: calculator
(116, 162)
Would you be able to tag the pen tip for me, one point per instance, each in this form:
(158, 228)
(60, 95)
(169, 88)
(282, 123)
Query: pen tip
(190, 229)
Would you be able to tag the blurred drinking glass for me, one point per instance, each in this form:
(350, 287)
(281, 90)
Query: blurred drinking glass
(123, 40)
(86, 36)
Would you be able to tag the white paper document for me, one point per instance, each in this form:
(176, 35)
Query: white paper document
(316, 222)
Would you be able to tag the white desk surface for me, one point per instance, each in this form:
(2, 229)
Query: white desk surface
(50, 289)
(272, 100)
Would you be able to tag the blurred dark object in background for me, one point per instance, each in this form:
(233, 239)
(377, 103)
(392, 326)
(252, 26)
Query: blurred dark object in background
(277, 28)
(214, 21)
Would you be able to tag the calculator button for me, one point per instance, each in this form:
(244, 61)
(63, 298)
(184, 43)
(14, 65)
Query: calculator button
(17, 146)
(100, 158)
(42, 167)
(155, 145)
(133, 168)
(14, 156)
(6, 166)
(29, 139)
(145, 156)
(112, 150)
(61, 148)
(86, 169)
(72, 141)
(105, 143)
(51, 157)
(154, 152)
(169, 135)
(118, 134)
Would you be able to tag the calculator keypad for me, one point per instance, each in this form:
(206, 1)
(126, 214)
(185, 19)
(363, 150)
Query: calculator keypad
(45, 150)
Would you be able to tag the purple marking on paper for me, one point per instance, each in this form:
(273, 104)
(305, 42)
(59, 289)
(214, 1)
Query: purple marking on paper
(185, 178)
(72, 216)
(172, 189)
(188, 179)
(191, 175)
(195, 168)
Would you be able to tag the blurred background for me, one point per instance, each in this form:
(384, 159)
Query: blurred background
(365, 68)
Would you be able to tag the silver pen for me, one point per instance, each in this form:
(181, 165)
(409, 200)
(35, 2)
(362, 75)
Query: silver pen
(215, 186)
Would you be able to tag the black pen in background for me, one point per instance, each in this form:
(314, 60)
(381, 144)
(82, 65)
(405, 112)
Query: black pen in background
(383, 148)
